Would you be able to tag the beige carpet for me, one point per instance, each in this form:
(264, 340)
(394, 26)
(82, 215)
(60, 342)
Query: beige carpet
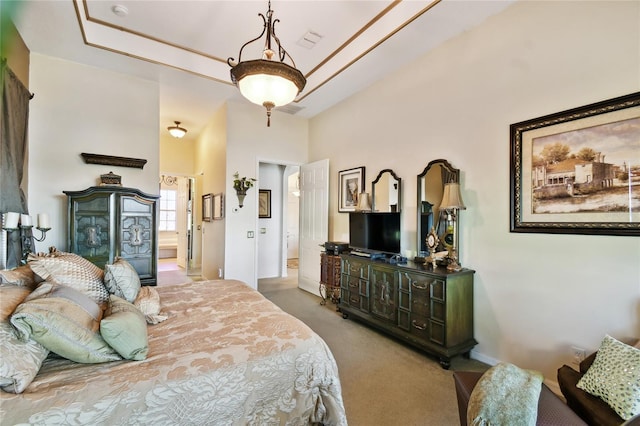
(384, 382)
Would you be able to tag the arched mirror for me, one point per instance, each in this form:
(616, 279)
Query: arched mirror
(430, 191)
(386, 192)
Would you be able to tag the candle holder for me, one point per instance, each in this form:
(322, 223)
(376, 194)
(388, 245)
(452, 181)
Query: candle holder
(43, 234)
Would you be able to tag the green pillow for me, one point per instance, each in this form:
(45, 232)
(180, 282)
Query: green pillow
(125, 329)
(614, 376)
(64, 321)
(121, 279)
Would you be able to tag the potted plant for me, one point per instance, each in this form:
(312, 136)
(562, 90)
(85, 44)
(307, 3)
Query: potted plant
(241, 184)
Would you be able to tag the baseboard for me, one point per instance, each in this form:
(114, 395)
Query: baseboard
(483, 358)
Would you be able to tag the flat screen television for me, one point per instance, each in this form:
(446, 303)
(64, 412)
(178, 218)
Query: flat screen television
(375, 232)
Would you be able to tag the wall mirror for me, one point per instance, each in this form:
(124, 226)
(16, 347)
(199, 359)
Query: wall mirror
(386, 192)
(430, 190)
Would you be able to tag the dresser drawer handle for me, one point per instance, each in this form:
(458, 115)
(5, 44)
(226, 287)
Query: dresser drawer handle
(418, 326)
(352, 300)
(420, 287)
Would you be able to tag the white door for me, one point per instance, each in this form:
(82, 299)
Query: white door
(314, 222)
(181, 221)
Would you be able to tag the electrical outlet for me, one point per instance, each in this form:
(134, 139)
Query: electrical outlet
(249, 234)
(577, 355)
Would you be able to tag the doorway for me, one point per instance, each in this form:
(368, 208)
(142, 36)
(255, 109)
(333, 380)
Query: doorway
(176, 246)
(277, 249)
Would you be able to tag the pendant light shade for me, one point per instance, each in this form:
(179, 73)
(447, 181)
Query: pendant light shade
(177, 131)
(268, 81)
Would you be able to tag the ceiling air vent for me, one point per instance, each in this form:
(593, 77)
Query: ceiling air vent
(290, 109)
(309, 40)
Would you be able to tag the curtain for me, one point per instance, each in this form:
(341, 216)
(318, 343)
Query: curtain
(13, 131)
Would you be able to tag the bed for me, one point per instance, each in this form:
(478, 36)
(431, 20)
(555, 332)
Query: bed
(224, 356)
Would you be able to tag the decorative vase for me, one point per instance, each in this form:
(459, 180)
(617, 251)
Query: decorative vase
(241, 194)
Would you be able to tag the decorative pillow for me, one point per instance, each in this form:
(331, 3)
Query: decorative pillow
(124, 328)
(10, 297)
(71, 270)
(614, 376)
(19, 361)
(122, 280)
(64, 321)
(21, 276)
(148, 301)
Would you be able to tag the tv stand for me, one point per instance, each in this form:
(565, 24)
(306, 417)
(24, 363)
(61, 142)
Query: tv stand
(431, 309)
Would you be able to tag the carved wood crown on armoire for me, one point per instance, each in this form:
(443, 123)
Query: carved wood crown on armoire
(109, 221)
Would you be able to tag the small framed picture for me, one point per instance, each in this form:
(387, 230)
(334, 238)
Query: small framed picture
(350, 185)
(207, 207)
(218, 206)
(264, 204)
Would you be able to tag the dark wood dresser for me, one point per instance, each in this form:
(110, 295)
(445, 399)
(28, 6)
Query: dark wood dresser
(329, 277)
(431, 310)
(109, 221)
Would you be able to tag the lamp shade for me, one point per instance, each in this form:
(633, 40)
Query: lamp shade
(263, 81)
(451, 199)
(364, 204)
(177, 131)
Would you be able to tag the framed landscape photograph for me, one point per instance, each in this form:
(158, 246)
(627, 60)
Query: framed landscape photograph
(264, 204)
(206, 207)
(350, 185)
(578, 171)
(218, 206)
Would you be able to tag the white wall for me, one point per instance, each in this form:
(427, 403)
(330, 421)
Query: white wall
(76, 109)
(249, 142)
(535, 294)
(210, 164)
(270, 242)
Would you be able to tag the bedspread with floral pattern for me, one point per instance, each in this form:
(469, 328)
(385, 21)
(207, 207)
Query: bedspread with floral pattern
(225, 356)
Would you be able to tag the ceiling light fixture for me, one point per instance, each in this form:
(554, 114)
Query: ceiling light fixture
(177, 131)
(268, 81)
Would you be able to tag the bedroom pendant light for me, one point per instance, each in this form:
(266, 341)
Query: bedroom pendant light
(177, 131)
(268, 81)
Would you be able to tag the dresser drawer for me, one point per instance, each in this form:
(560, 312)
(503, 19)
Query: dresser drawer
(419, 326)
(355, 268)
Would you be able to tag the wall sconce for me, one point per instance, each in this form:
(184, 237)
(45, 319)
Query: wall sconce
(241, 185)
(25, 227)
(451, 203)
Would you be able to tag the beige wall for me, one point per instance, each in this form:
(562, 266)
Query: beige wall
(535, 294)
(177, 156)
(77, 109)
